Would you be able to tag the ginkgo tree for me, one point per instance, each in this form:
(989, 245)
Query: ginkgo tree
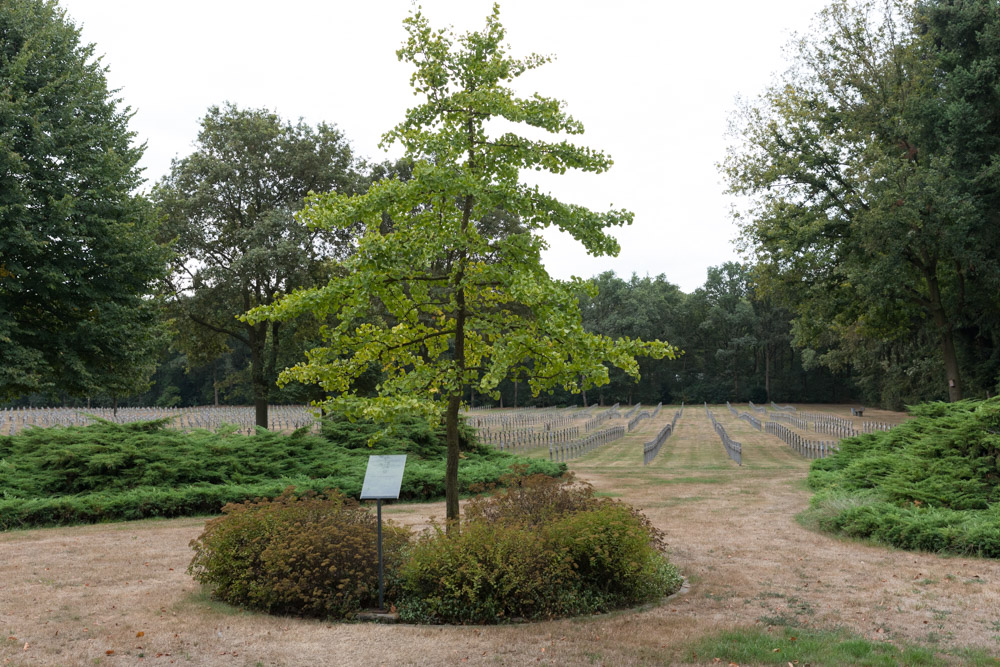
(446, 288)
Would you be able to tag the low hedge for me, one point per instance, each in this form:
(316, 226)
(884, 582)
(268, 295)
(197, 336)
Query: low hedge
(931, 483)
(112, 472)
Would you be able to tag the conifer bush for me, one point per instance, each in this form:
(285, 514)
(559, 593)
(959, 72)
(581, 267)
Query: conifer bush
(313, 555)
(113, 472)
(931, 483)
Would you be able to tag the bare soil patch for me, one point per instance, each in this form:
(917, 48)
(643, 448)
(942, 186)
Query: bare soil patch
(118, 594)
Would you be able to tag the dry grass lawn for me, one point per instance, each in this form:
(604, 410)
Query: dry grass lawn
(118, 594)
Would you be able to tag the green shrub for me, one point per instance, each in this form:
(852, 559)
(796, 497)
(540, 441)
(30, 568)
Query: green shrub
(532, 499)
(106, 472)
(309, 556)
(539, 548)
(931, 483)
(488, 573)
(613, 552)
(413, 434)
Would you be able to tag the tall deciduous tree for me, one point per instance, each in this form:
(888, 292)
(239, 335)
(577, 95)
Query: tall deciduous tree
(228, 210)
(77, 253)
(862, 220)
(464, 300)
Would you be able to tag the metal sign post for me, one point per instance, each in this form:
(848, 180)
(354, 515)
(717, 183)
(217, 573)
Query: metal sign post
(383, 478)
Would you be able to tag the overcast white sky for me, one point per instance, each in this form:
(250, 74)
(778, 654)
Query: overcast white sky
(654, 84)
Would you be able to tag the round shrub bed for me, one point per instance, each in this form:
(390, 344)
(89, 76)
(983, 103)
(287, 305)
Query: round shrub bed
(537, 548)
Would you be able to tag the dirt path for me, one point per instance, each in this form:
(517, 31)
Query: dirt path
(118, 594)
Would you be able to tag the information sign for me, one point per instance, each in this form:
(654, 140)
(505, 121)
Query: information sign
(383, 477)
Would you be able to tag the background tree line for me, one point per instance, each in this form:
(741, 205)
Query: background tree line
(870, 168)
(736, 347)
(872, 173)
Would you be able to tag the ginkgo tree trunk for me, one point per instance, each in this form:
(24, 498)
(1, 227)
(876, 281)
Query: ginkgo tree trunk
(436, 296)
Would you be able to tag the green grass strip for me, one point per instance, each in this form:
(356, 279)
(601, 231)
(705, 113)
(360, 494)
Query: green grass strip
(799, 646)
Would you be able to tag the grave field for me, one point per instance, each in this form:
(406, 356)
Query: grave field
(112, 594)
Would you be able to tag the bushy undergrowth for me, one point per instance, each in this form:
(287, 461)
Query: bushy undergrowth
(540, 548)
(102, 472)
(929, 484)
(307, 556)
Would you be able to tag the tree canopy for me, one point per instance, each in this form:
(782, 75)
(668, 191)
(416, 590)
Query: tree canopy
(77, 256)
(446, 288)
(227, 211)
(867, 213)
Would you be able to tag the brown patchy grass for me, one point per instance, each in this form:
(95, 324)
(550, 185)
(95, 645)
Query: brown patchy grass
(69, 596)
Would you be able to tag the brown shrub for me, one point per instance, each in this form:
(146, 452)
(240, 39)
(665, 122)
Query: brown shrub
(309, 556)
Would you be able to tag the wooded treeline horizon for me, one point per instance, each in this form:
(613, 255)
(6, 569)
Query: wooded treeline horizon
(870, 170)
(734, 345)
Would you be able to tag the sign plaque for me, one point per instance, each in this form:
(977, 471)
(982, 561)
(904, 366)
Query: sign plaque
(383, 477)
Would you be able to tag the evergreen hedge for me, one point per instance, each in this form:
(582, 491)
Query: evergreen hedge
(930, 483)
(111, 472)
